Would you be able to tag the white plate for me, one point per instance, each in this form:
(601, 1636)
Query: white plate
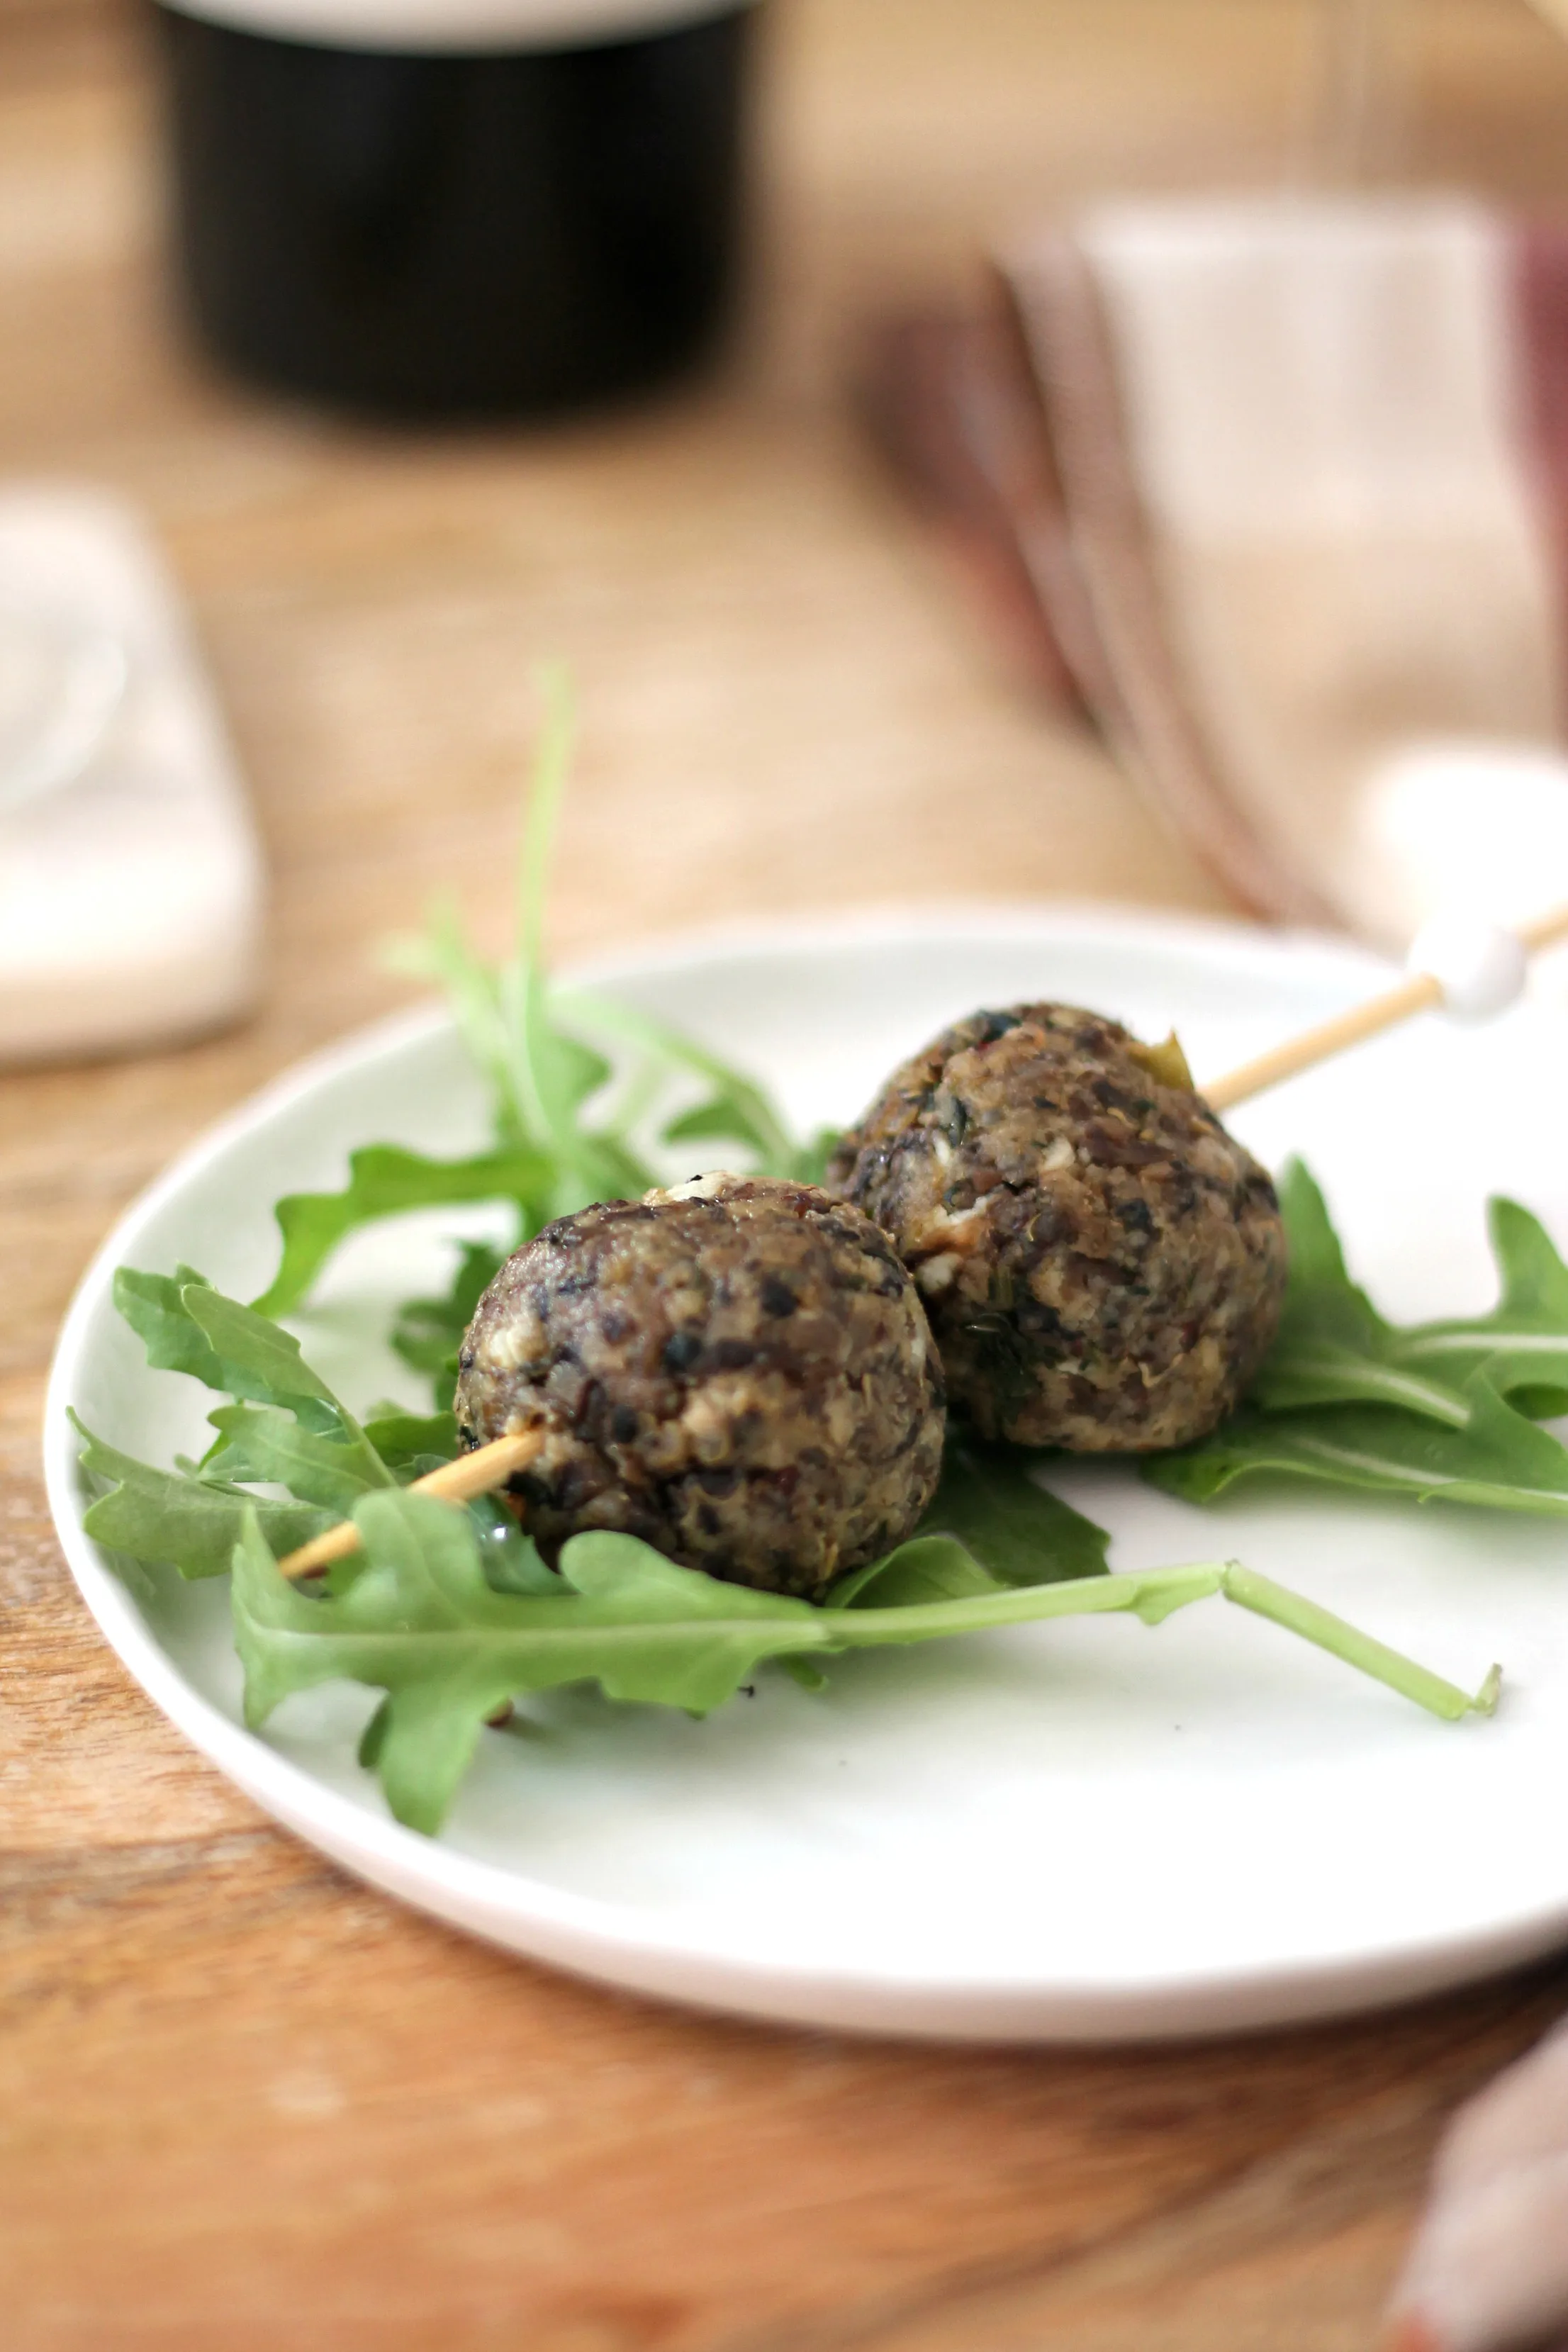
(1088, 1830)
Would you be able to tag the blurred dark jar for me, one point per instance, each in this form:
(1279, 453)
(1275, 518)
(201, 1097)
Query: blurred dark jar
(458, 207)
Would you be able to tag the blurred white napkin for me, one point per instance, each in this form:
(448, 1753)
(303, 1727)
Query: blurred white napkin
(131, 882)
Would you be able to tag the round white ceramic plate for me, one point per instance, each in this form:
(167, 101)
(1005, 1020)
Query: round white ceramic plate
(1086, 1830)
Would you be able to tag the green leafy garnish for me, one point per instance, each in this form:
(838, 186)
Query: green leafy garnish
(1335, 1348)
(1434, 1412)
(385, 1180)
(421, 1623)
(429, 1332)
(404, 1439)
(176, 1517)
(1499, 1460)
(260, 1444)
(284, 1428)
(570, 1126)
(735, 1109)
(188, 1326)
(991, 1501)
(927, 1567)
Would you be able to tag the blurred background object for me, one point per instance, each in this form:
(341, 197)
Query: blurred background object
(446, 207)
(1307, 458)
(62, 679)
(130, 878)
(1272, 486)
(1487, 2271)
(1364, 90)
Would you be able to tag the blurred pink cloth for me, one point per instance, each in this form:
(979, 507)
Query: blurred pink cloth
(1489, 2270)
(1277, 490)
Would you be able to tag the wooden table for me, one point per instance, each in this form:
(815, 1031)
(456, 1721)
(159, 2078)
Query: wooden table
(244, 2103)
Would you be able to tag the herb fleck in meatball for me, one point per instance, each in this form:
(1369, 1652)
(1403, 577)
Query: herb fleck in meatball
(1102, 1263)
(740, 1371)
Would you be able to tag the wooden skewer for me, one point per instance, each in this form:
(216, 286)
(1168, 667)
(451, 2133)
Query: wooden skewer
(1319, 1045)
(479, 1473)
(1419, 994)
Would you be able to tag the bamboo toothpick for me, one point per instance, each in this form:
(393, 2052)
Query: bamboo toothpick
(1419, 994)
(479, 1473)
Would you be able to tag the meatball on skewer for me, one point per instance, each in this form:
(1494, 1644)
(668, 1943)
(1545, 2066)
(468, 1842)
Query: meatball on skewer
(739, 1371)
(1103, 1266)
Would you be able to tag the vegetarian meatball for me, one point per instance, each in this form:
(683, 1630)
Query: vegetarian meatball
(740, 1371)
(1102, 1263)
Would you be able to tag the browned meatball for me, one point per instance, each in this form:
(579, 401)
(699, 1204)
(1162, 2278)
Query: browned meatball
(740, 1371)
(1102, 1263)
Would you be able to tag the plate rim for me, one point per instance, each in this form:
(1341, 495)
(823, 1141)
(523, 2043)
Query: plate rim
(615, 1943)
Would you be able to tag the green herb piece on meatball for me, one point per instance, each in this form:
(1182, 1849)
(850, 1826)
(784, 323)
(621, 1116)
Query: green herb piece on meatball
(1103, 1266)
(739, 1371)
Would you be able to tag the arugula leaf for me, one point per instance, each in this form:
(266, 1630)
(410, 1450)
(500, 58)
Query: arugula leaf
(442, 953)
(153, 1304)
(717, 1121)
(736, 1110)
(1298, 1615)
(1523, 1342)
(990, 1527)
(260, 1445)
(1332, 1346)
(259, 1359)
(189, 1522)
(1016, 1528)
(284, 1428)
(1434, 1411)
(553, 1153)
(926, 1567)
(1498, 1459)
(421, 1623)
(402, 1439)
(1335, 1348)
(429, 1332)
(186, 1326)
(553, 1074)
(385, 1180)
(809, 1165)
(510, 1559)
(723, 1119)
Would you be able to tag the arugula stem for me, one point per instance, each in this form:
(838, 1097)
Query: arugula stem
(1153, 1596)
(778, 1147)
(1362, 1381)
(1322, 1627)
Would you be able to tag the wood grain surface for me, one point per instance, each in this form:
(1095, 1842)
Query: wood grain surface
(244, 2103)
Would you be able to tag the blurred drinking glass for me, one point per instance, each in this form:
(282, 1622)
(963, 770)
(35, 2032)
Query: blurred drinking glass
(446, 207)
(1359, 128)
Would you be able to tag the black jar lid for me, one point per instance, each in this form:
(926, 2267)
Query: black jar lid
(458, 208)
(461, 26)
